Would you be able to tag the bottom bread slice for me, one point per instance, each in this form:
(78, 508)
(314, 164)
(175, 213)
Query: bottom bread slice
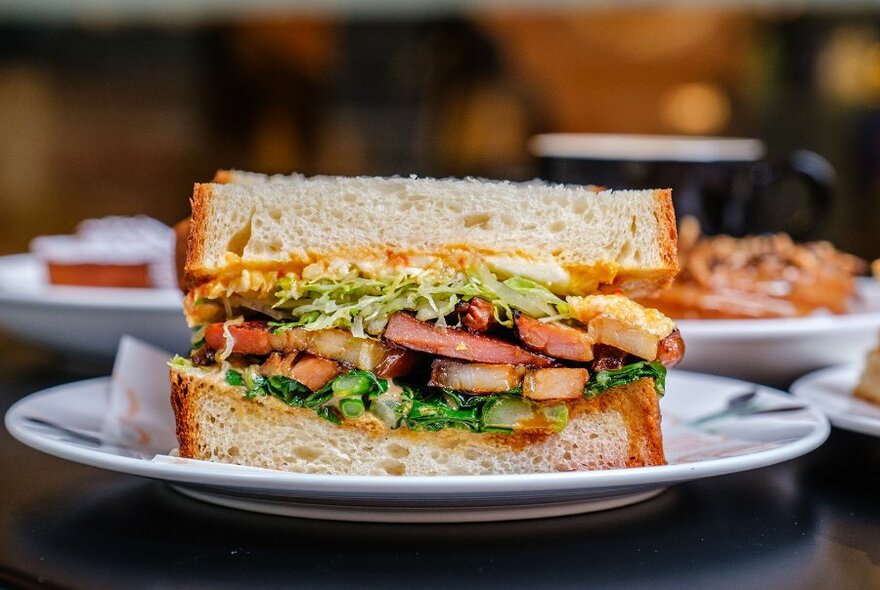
(620, 428)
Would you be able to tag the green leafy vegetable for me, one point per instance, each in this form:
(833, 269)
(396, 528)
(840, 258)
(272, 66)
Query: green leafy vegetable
(430, 409)
(294, 393)
(182, 364)
(332, 414)
(234, 378)
(506, 413)
(352, 407)
(358, 382)
(604, 380)
(433, 409)
(304, 320)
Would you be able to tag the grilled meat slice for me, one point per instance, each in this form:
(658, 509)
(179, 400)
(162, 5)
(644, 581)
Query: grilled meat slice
(256, 338)
(608, 358)
(314, 372)
(404, 330)
(554, 339)
(477, 315)
(670, 350)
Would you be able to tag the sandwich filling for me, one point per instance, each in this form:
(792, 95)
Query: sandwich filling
(424, 349)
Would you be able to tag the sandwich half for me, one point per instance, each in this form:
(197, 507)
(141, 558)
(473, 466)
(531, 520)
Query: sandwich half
(414, 326)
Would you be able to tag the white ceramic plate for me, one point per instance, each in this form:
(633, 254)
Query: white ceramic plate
(724, 445)
(85, 321)
(831, 391)
(780, 350)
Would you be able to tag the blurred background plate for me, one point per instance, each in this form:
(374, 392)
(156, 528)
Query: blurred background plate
(777, 351)
(85, 322)
(831, 391)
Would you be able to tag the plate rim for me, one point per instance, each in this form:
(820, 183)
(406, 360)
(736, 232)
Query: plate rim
(844, 419)
(348, 485)
(781, 328)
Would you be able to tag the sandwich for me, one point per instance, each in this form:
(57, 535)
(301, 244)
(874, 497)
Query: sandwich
(412, 326)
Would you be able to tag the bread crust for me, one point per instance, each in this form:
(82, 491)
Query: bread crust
(668, 238)
(602, 272)
(195, 244)
(636, 404)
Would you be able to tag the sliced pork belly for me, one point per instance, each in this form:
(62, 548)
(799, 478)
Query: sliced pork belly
(475, 377)
(555, 384)
(554, 339)
(256, 338)
(404, 330)
(312, 371)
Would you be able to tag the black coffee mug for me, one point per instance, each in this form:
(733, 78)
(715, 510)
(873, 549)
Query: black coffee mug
(726, 183)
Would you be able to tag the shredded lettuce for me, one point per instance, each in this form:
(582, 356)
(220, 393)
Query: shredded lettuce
(364, 304)
(182, 364)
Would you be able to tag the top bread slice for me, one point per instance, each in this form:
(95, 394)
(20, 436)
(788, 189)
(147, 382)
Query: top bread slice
(573, 239)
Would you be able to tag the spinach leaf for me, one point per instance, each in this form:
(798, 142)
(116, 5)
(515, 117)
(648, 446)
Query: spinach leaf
(294, 393)
(604, 380)
(432, 409)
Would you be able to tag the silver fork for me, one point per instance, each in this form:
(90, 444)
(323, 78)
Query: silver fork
(742, 405)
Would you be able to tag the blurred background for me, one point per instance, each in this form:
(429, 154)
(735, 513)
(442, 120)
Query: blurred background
(118, 107)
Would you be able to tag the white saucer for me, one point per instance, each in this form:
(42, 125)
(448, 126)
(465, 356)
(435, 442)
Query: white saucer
(725, 445)
(85, 321)
(831, 391)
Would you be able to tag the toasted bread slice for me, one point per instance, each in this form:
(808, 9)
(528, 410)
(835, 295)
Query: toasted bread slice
(572, 239)
(620, 428)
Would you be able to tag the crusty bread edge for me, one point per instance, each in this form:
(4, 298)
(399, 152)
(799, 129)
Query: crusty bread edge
(195, 250)
(637, 403)
(668, 241)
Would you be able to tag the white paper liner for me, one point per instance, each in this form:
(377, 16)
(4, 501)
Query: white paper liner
(139, 404)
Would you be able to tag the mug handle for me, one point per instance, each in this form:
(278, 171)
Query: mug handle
(817, 176)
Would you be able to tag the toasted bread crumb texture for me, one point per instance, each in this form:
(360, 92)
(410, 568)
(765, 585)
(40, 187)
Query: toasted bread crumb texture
(868, 387)
(215, 423)
(290, 222)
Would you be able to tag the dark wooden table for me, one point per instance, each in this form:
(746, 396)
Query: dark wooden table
(809, 523)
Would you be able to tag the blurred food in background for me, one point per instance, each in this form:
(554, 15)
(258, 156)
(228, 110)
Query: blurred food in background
(868, 387)
(107, 110)
(132, 252)
(763, 276)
